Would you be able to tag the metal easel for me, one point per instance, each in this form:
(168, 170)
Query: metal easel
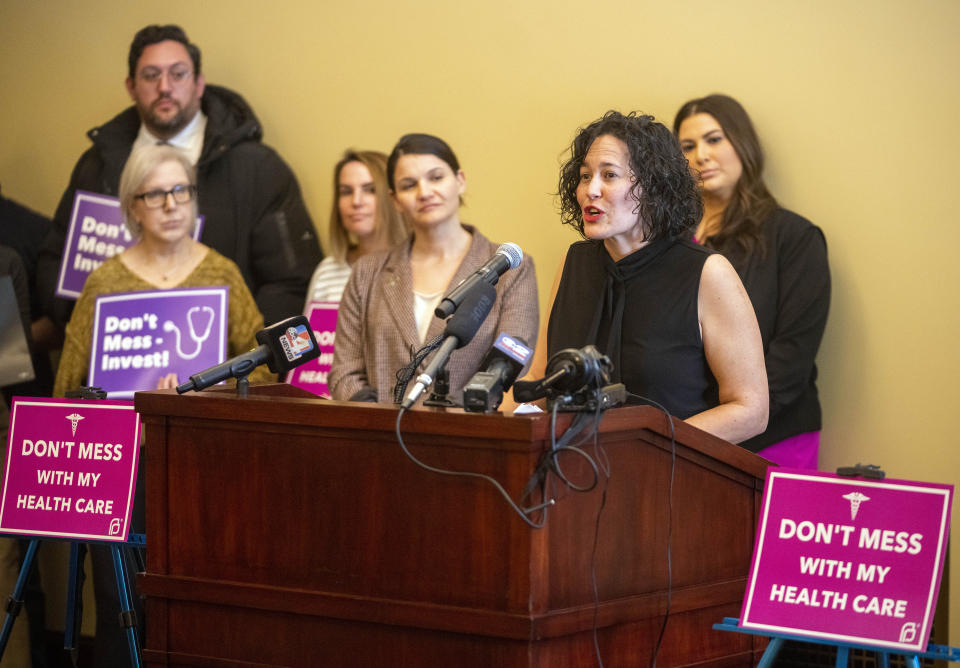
(937, 652)
(78, 552)
(74, 613)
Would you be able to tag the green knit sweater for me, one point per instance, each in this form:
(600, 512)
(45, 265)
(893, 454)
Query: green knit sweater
(243, 320)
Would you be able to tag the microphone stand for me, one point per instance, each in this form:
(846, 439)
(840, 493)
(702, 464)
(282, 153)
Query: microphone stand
(441, 388)
(243, 385)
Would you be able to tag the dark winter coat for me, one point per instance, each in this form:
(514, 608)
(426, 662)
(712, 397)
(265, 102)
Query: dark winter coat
(253, 211)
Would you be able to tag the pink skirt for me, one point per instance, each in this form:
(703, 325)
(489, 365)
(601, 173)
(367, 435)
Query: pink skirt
(798, 451)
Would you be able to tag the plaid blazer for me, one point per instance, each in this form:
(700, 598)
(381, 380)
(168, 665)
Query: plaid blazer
(377, 334)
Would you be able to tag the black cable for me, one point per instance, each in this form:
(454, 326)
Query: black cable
(406, 373)
(569, 442)
(549, 462)
(604, 464)
(563, 445)
(593, 572)
(673, 470)
(469, 474)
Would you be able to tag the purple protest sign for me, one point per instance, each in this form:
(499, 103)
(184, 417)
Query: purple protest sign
(71, 469)
(312, 376)
(140, 336)
(848, 560)
(96, 233)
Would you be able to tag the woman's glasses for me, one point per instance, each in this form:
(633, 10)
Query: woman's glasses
(154, 199)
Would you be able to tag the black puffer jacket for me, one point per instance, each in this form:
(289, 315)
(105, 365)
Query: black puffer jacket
(250, 200)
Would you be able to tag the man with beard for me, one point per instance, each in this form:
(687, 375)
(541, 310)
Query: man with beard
(250, 200)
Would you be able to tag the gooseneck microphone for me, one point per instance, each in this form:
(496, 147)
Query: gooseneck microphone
(500, 368)
(283, 346)
(508, 256)
(459, 332)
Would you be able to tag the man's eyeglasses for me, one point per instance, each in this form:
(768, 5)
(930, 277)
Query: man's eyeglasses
(176, 75)
(154, 199)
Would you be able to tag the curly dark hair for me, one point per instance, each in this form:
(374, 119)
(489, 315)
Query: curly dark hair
(154, 34)
(751, 202)
(666, 193)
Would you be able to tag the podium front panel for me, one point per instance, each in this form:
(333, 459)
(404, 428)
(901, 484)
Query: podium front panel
(288, 530)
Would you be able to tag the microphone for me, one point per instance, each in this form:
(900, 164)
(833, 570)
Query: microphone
(508, 256)
(283, 346)
(501, 367)
(576, 380)
(458, 333)
(568, 371)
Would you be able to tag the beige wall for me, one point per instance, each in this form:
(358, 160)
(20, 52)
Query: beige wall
(855, 102)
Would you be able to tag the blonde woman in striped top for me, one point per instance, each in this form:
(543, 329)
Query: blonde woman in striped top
(362, 220)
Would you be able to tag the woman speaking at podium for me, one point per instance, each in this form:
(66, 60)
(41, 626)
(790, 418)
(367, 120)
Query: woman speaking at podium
(158, 199)
(672, 316)
(387, 307)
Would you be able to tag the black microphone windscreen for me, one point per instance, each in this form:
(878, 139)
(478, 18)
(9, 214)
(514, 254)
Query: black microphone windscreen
(472, 312)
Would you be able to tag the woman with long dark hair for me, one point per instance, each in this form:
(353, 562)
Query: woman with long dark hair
(781, 258)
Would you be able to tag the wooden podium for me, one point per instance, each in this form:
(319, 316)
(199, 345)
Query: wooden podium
(284, 530)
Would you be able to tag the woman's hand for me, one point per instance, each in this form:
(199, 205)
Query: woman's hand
(168, 382)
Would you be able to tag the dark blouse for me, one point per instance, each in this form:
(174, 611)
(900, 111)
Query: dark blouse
(642, 313)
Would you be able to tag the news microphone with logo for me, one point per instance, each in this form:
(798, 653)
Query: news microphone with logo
(458, 333)
(508, 256)
(501, 367)
(283, 346)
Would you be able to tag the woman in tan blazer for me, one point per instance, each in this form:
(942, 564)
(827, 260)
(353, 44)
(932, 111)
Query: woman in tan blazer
(387, 309)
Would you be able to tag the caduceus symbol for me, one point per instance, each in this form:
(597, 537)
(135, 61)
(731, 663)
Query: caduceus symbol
(74, 420)
(855, 499)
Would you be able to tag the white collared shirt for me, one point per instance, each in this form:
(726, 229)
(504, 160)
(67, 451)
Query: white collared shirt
(189, 140)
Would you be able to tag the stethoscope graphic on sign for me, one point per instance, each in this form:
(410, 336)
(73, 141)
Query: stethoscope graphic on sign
(206, 311)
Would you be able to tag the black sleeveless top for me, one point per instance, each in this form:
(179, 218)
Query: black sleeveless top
(642, 313)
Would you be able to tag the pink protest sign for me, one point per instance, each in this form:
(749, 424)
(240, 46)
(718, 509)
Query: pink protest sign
(847, 559)
(140, 336)
(96, 233)
(312, 376)
(71, 469)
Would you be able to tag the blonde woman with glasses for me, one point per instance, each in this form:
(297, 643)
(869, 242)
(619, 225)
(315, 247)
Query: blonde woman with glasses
(158, 198)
